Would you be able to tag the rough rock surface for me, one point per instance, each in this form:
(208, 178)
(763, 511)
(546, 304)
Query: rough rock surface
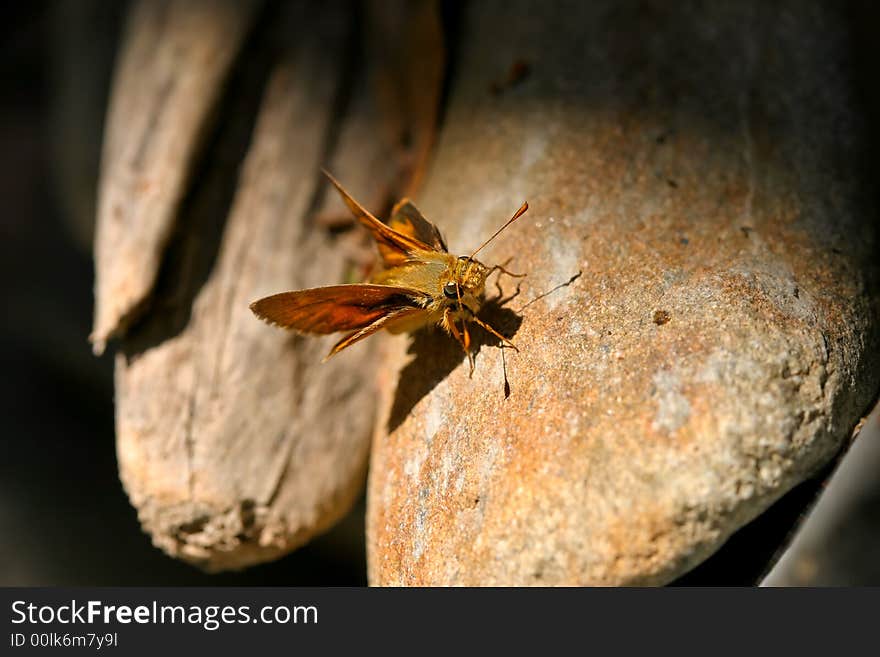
(698, 166)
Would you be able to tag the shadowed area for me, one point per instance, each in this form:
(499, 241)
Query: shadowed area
(436, 354)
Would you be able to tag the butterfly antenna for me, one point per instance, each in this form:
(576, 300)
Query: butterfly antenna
(517, 215)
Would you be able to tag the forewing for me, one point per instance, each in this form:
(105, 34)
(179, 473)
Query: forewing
(335, 308)
(406, 218)
(394, 247)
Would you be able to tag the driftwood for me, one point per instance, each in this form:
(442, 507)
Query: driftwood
(174, 59)
(235, 443)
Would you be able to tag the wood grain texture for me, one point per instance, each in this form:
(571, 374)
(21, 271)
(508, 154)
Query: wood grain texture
(175, 57)
(230, 441)
(235, 443)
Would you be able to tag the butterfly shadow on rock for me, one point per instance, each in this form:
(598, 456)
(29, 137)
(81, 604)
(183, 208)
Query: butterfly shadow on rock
(436, 354)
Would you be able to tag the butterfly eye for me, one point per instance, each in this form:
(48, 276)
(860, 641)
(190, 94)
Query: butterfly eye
(451, 290)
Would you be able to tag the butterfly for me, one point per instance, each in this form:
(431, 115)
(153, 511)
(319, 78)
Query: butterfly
(420, 284)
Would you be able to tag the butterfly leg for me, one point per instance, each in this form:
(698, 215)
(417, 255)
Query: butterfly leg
(463, 337)
(503, 269)
(467, 346)
(500, 299)
(493, 331)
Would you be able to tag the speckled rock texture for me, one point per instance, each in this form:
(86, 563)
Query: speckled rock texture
(698, 166)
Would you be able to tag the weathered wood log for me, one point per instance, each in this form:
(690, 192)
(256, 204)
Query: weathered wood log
(235, 443)
(175, 57)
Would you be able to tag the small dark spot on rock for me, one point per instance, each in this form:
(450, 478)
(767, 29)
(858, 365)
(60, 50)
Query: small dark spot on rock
(560, 318)
(796, 292)
(476, 501)
(672, 183)
(661, 317)
(834, 249)
(684, 241)
(746, 230)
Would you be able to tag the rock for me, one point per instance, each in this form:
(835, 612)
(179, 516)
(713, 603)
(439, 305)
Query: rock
(695, 334)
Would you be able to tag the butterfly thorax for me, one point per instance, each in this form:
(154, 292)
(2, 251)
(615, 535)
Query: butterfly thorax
(446, 280)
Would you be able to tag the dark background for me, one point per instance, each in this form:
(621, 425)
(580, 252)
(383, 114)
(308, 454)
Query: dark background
(64, 517)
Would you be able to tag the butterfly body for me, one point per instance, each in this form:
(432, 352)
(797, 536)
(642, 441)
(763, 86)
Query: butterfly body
(420, 284)
(438, 275)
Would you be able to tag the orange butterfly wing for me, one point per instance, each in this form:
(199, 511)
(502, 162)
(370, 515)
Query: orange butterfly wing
(394, 247)
(406, 219)
(365, 308)
(362, 309)
(334, 308)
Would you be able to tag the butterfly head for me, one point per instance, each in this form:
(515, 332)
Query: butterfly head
(468, 276)
(465, 283)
